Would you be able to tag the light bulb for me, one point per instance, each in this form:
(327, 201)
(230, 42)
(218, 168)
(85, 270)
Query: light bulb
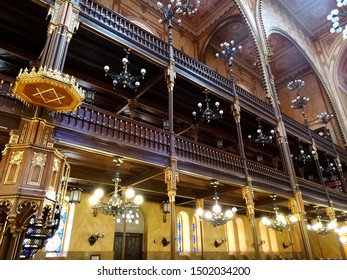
(130, 193)
(217, 209)
(199, 211)
(138, 199)
(99, 193)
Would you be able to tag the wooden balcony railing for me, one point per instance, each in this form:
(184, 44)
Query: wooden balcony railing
(103, 124)
(99, 123)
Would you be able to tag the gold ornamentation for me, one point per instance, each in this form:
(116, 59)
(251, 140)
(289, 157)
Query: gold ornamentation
(16, 157)
(293, 206)
(199, 203)
(250, 209)
(48, 88)
(39, 159)
(168, 175)
(331, 213)
(56, 165)
(246, 194)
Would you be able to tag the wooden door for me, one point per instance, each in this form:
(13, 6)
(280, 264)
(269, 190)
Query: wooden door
(133, 246)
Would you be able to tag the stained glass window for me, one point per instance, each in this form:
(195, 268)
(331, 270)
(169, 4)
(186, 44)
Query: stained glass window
(194, 234)
(55, 244)
(179, 234)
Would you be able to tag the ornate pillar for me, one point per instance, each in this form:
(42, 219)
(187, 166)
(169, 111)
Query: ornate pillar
(282, 142)
(171, 174)
(248, 196)
(171, 179)
(228, 52)
(247, 192)
(32, 171)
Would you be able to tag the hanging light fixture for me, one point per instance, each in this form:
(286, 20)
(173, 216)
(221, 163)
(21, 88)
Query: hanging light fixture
(125, 78)
(177, 7)
(302, 157)
(166, 125)
(228, 52)
(299, 102)
(166, 210)
(216, 217)
(208, 113)
(280, 222)
(220, 144)
(261, 138)
(89, 96)
(329, 170)
(295, 84)
(319, 227)
(335, 16)
(123, 204)
(324, 117)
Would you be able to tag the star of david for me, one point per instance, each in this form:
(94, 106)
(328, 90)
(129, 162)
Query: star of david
(51, 95)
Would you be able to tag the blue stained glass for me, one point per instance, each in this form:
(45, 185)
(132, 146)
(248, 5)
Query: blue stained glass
(54, 244)
(179, 235)
(64, 216)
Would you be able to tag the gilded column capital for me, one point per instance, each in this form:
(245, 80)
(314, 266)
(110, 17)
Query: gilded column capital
(171, 75)
(331, 213)
(247, 195)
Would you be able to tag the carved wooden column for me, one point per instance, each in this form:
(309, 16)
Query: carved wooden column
(247, 192)
(171, 174)
(171, 179)
(282, 142)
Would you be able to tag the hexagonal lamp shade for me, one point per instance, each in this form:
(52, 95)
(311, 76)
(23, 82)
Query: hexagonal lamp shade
(48, 88)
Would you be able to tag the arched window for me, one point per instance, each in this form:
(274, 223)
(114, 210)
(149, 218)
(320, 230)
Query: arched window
(183, 233)
(59, 243)
(241, 235)
(231, 237)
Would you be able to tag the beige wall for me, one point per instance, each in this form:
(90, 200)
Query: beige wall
(84, 225)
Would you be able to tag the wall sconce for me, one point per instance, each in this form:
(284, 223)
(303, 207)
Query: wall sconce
(285, 246)
(165, 242)
(75, 194)
(94, 237)
(261, 242)
(166, 210)
(218, 244)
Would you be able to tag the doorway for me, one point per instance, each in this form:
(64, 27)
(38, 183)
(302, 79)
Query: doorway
(133, 246)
